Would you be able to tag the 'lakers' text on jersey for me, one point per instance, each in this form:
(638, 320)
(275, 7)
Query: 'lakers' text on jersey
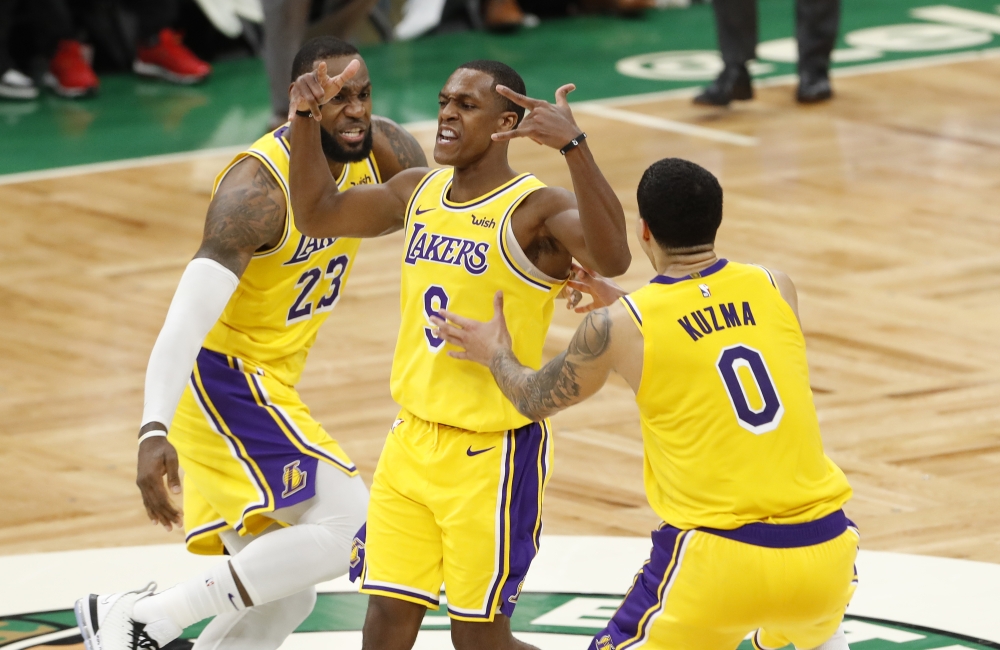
(286, 292)
(729, 426)
(456, 256)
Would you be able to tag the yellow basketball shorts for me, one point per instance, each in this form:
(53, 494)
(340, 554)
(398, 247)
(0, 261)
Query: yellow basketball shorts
(248, 446)
(454, 507)
(708, 589)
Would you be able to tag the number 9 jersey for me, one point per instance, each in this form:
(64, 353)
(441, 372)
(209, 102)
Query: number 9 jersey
(456, 257)
(729, 427)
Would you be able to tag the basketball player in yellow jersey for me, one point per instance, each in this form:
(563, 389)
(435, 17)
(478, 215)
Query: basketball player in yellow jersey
(457, 495)
(753, 538)
(261, 476)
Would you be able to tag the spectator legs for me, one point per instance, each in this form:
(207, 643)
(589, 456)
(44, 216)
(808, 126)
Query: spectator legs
(816, 25)
(736, 24)
(284, 28)
(153, 16)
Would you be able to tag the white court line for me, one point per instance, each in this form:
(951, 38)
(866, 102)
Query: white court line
(423, 125)
(41, 639)
(663, 124)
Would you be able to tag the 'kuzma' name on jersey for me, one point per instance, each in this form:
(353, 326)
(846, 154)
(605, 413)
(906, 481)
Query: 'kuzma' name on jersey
(286, 292)
(730, 432)
(456, 257)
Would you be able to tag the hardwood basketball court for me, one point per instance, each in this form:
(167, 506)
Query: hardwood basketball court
(882, 206)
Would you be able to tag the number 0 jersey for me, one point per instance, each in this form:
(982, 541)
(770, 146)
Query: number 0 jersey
(286, 292)
(456, 257)
(729, 427)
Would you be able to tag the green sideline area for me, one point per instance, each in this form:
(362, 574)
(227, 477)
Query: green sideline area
(552, 613)
(606, 57)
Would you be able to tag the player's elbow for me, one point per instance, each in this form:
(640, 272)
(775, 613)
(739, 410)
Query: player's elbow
(614, 264)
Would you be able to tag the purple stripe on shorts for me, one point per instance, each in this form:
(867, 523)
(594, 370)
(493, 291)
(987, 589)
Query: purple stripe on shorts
(404, 592)
(260, 435)
(810, 533)
(358, 553)
(644, 596)
(530, 443)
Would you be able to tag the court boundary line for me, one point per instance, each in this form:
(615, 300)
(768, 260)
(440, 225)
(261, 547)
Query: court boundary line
(915, 63)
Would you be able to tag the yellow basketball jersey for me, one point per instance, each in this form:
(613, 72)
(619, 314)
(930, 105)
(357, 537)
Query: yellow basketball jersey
(286, 292)
(456, 257)
(729, 427)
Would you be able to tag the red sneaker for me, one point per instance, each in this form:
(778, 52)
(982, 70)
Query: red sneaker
(69, 74)
(169, 59)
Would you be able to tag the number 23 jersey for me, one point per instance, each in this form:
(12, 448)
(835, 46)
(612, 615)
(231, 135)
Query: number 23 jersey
(730, 432)
(457, 256)
(286, 292)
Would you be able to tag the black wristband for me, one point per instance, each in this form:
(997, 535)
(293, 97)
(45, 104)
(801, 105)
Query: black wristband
(573, 144)
(304, 113)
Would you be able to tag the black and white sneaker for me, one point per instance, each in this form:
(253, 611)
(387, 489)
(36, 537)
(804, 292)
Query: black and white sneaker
(106, 623)
(15, 85)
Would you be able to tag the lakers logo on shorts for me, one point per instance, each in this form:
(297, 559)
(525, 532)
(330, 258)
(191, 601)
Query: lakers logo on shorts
(293, 478)
(605, 643)
(357, 549)
(513, 599)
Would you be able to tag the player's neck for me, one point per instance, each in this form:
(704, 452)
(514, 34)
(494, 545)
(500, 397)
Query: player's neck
(480, 177)
(680, 264)
(336, 168)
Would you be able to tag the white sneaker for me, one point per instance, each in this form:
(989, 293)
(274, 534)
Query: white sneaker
(15, 85)
(106, 623)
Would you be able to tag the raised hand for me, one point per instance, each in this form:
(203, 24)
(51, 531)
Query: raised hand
(603, 290)
(549, 124)
(158, 460)
(479, 341)
(313, 89)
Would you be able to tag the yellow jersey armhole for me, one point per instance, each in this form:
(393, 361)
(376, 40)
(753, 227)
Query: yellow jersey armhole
(633, 311)
(770, 277)
(263, 160)
(511, 260)
(373, 164)
(413, 197)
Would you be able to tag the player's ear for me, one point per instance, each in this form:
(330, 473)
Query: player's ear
(508, 121)
(644, 233)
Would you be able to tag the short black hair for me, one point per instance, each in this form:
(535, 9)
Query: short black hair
(681, 202)
(503, 75)
(317, 49)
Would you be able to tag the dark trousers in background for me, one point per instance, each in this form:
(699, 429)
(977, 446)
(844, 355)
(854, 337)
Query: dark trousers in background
(153, 15)
(816, 24)
(49, 21)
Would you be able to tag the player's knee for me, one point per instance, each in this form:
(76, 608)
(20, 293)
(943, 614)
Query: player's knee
(476, 636)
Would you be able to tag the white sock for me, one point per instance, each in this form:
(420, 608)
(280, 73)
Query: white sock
(836, 642)
(167, 613)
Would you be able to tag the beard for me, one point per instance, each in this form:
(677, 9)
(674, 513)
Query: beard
(337, 153)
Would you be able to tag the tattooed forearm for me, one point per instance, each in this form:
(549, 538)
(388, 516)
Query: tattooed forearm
(561, 382)
(403, 145)
(243, 218)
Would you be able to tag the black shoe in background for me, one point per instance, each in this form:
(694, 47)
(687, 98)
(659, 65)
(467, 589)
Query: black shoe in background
(732, 83)
(813, 88)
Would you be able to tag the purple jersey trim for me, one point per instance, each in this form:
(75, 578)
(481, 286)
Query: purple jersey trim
(715, 268)
(810, 533)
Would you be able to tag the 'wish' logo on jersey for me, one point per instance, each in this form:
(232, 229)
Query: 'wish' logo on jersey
(446, 250)
(308, 247)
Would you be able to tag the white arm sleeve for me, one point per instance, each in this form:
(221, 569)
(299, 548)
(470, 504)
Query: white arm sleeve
(201, 296)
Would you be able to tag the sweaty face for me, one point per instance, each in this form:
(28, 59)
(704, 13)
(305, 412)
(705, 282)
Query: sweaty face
(347, 118)
(469, 112)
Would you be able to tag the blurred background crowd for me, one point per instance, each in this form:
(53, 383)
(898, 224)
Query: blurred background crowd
(63, 46)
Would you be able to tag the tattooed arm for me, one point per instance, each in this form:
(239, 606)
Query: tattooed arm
(246, 214)
(395, 148)
(606, 340)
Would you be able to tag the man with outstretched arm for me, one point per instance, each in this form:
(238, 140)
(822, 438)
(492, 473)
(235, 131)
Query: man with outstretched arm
(457, 494)
(262, 479)
(753, 537)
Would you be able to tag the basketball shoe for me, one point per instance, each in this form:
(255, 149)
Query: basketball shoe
(168, 58)
(106, 622)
